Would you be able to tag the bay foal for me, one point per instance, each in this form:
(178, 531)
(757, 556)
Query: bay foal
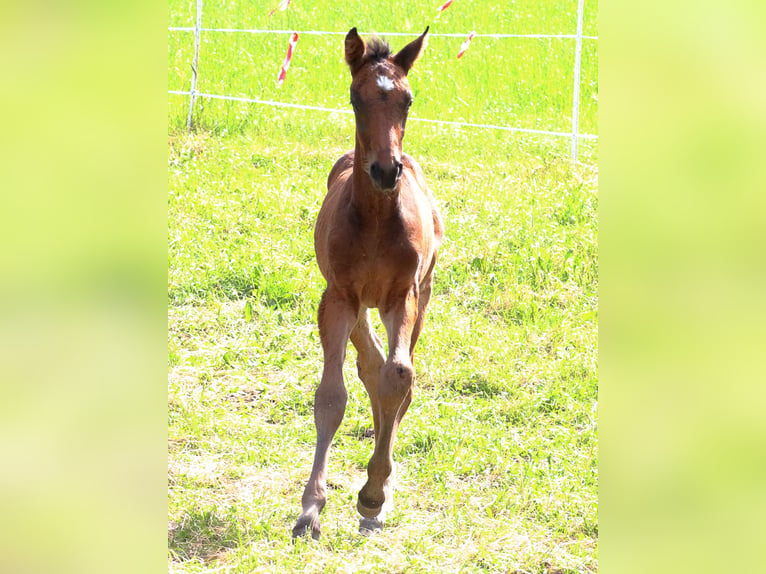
(376, 239)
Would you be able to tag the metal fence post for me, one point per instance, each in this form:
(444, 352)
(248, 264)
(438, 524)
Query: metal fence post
(576, 91)
(195, 63)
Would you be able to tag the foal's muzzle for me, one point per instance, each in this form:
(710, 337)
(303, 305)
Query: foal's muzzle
(386, 177)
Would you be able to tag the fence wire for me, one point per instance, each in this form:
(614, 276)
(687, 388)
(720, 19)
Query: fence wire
(394, 34)
(578, 37)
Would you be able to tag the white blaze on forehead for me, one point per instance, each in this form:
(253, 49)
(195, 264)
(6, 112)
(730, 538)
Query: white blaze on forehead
(385, 83)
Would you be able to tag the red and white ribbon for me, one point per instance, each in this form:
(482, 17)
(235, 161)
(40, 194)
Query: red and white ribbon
(282, 6)
(464, 45)
(443, 7)
(290, 50)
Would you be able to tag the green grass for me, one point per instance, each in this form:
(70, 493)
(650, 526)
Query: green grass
(497, 455)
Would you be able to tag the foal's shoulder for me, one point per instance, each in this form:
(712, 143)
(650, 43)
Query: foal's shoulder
(410, 163)
(344, 164)
(420, 178)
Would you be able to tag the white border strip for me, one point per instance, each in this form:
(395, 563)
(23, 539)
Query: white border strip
(322, 109)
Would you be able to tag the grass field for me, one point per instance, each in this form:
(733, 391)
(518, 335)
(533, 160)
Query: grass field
(497, 455)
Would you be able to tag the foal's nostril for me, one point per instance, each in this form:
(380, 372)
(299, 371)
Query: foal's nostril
(386, 177)
(375, 172)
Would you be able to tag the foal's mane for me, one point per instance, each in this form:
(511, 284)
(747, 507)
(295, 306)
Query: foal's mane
(377, 49)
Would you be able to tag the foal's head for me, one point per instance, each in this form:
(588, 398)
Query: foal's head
(381, 97)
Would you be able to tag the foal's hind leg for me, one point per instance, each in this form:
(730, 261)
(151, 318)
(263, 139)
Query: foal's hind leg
(369, 360)
(423, 299)
(336, 318)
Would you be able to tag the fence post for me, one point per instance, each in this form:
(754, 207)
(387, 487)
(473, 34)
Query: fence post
(576, 91)
(195, 63)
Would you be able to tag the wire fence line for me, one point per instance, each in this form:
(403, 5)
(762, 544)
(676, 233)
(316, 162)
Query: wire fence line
(350, 112)
(574, 134)
(413, 35)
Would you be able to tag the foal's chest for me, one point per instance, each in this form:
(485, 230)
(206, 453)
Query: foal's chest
(380, 257)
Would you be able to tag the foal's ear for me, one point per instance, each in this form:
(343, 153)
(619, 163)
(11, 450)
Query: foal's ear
(411, 52)
(354, 50)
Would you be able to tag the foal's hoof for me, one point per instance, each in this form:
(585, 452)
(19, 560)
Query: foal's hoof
(306, 526)
(369, 526)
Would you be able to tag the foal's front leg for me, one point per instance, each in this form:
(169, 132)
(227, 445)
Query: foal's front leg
(393, 396)
(336, 319)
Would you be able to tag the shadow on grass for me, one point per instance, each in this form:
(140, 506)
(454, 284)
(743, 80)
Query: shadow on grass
(271, 289)
(205, 535)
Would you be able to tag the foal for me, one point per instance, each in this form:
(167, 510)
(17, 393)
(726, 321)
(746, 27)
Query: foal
(376, 239)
